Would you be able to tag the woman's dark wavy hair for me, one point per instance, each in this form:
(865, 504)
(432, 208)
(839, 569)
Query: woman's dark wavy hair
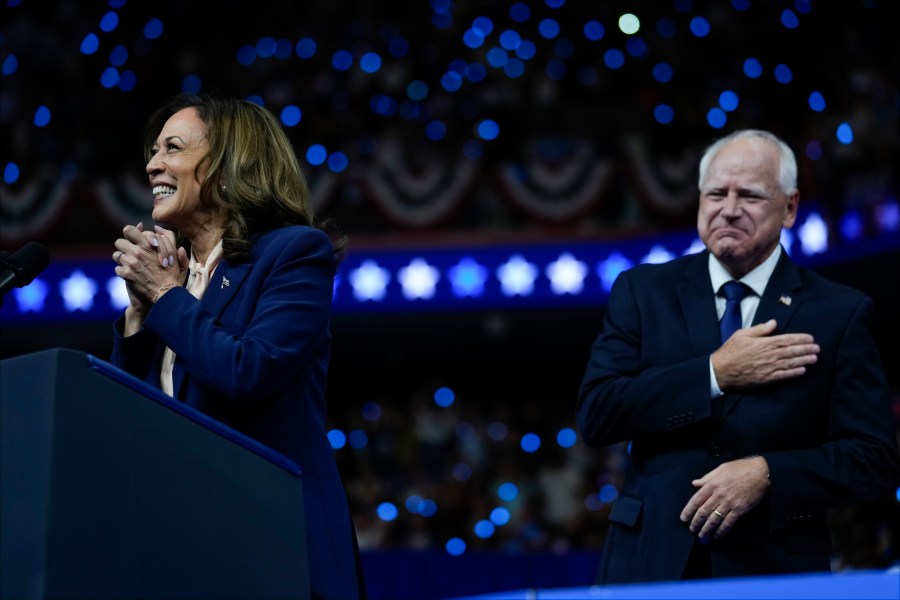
(253, 174)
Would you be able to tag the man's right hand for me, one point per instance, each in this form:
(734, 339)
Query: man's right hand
(754, 356)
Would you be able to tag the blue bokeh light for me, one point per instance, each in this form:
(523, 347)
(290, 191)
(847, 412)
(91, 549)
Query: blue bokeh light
(783, 74)
(817, 101)
(844, 133)
(728, 100)
(337, 439)
(246, 55)
(451, 81)
(663, 114)
(484, 529)
(191, 84)
(473, 38)
(500, 516)
(444, 397)
(789, 19)
(700, 27)
(519, 12)
(338, 162)
(662, 72)
(153, 29)
(497, 57)
(342, 60)
(483, 25)
(530, 443)
(358, 439)
(594, 30)
(109, 21)
(118, 56)
(566, 437)
(90, 43)
(614, 58)
(266, 47)
(387, 511)
(716, 117)
(110, 77)
(636, 47)
(291, 115)
(508, 491)
(10, 173)
(488, 129)
(316, 155)
(852, 225)
(608, 493)
(41, 116)
(510, 39)
(752, 68)
(435, 130)
(370, 62)
(10, 64)
(455, 546)
(127, 81)
(305, 47)
(549, 28)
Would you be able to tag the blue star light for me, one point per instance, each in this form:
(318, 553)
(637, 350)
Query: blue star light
(467, 278)
(657, 255)
(813, 235)
(118, 294)
(369, 281)
(610, 268)
(418, 279)
(78, 292)
(32, 296)
(566, 275)
(517, 276)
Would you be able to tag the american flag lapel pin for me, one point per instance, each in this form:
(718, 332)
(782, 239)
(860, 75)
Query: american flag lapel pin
(225, 284)
(785, 299)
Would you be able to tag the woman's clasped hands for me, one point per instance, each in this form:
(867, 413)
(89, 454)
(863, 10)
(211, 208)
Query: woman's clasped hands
(151, 263)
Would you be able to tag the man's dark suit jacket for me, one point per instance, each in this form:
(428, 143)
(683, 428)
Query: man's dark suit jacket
(828, 436)
(253, 354)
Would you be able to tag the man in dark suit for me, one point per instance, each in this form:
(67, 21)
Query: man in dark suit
(741, 441)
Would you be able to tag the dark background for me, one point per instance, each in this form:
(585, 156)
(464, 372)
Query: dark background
(521, 368)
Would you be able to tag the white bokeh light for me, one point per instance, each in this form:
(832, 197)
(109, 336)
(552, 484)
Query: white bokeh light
(566, 274)
(419, 279)
(369, 281)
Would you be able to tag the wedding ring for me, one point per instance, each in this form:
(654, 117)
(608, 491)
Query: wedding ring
(721, 516)
(118, 256)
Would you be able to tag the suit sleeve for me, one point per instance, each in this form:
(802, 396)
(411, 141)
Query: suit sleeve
(288, 325)
(621, 398)
(133, 354)
(859, 456)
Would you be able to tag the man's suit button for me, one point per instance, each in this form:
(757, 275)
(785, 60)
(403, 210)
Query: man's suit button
(715, 449)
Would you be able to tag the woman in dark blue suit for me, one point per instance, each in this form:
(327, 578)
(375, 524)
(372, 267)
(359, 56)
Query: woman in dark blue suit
(231, 298)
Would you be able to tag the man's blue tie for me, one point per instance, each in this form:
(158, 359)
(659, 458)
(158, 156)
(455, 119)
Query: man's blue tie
(734, 291)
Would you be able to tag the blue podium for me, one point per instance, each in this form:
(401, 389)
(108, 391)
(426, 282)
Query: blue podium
(111, 490)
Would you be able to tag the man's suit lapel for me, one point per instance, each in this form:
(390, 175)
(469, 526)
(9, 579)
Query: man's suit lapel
(223, 287)
(699, 306)
(782, 295)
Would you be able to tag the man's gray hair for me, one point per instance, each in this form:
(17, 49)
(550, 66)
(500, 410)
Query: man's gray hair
(787, 163)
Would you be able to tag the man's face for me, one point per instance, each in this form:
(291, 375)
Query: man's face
(742, 206)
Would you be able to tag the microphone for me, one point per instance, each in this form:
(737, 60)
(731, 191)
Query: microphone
(21, 267)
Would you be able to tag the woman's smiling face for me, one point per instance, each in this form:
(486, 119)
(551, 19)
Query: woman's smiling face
(176, 169)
